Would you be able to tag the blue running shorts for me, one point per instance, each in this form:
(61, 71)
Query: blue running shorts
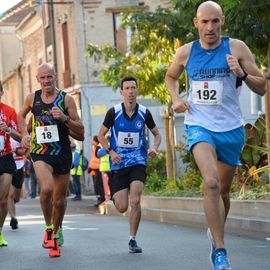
(228, 145)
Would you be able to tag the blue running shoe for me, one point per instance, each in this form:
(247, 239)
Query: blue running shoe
(213, 248)
(133, 247)
(221, 261)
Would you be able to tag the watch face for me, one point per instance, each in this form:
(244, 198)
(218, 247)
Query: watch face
(245, 75)
(67, 119)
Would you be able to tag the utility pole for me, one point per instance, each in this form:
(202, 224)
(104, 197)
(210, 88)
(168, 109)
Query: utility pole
(53, 39)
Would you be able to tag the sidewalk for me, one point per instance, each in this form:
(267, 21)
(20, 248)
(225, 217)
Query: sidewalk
(250, 217)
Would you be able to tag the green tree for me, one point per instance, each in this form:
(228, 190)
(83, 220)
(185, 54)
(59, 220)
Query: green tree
(149, 54)
(249, 21)
(147, 59)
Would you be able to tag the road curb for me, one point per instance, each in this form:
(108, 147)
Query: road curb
(250, 217)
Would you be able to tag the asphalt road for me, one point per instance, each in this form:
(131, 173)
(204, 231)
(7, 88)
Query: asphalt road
(100, 242)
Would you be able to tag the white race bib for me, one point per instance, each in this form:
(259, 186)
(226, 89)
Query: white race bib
(128, 139)
(2, 143)
(207, 92)
(47, 134)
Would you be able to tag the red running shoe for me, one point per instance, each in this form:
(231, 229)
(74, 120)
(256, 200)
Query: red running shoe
(55, 250)
(48, 239)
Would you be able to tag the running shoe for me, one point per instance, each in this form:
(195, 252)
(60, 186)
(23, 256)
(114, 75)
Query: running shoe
(55, 250)
(221, 261)
(60, 237)
(133, 247)
(14, 223)
(106, 209)
(48, 239)
(213, 248)
(101, 209)
(3, 242)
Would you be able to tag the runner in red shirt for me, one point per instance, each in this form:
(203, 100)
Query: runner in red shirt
(8, 128)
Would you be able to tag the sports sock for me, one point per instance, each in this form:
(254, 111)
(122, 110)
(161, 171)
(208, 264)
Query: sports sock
(50, 227)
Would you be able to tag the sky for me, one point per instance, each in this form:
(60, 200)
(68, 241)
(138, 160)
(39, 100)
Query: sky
(7, 4)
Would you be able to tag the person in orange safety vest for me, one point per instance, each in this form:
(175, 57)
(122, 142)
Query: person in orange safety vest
(95, 172)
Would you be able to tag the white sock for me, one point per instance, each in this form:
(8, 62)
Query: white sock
(131, 237)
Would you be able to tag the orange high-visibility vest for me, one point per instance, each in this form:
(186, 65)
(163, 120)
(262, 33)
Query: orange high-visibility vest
(94, 160)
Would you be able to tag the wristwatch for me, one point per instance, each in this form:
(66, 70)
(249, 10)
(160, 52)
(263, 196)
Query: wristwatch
(9, 131)
(66, 120)
(108, 150)
(243, 78)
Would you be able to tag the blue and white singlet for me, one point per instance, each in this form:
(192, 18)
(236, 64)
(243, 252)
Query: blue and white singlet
(214, 89)
(128, 138)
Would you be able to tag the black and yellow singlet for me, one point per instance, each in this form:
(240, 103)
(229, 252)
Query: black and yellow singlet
(49, 136)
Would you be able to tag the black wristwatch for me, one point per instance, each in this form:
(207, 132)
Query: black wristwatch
(66, 120)
(243, 78)
(108, 151)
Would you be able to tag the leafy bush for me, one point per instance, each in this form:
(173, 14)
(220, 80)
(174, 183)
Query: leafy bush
(158, 163)
(258, 192)
(192, 180)
(251, 178)
(154, 182)
(173, 185)
(156, 173)
(255, 166)
(186, 157)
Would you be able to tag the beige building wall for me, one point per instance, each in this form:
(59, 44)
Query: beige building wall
(87, 21)
(10, 55)
(65, 14)
(154, 4)
(94, 24)
(11, 97)
(31, 33)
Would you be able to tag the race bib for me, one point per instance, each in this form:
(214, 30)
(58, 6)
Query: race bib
(207, 92)
(2, 143)
(128, 139)
(47, 134)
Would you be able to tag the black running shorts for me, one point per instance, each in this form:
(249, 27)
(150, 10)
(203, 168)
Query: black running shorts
(17, 178)
(7, 164)
(61, 164)
(121, 179)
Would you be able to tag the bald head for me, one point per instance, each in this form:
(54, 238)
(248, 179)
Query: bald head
(209, 6)
(45, 66)
(209, 21)
(46, 76)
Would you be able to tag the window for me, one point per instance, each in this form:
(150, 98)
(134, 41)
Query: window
(66, 64)
(122, 36)
(49, 54)
(46, 16)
